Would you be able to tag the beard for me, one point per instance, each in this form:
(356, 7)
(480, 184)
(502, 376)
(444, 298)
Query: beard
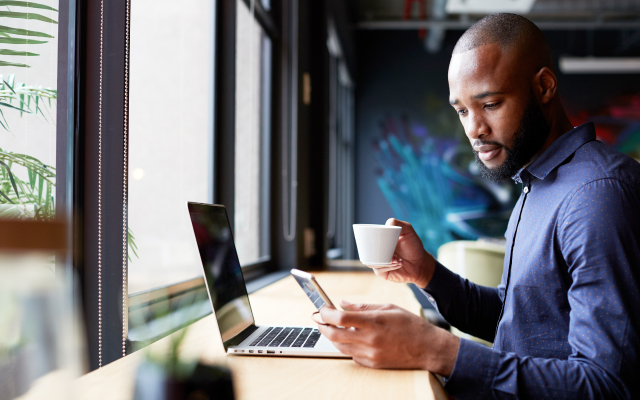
(527, 141)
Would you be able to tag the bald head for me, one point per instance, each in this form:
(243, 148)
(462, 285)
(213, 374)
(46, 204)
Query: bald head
(512, 33)
(504, 89)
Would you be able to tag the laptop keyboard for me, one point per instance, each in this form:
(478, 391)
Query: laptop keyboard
(287, 337)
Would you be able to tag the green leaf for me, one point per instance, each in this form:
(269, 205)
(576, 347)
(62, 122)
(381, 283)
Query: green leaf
(13, 182)
(26, 4)
(10, 40)
(40, 184)
(9, 85)
(32, 178)
(6, 197)
(10, 106)
(10, 64)
(131, 241)
(48, 197)
(5, 124)
(23, 32)
(7, 52)
(13, 14)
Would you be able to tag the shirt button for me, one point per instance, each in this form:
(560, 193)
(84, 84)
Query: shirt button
(526, 189)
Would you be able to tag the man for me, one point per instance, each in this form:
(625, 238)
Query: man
(565, 320)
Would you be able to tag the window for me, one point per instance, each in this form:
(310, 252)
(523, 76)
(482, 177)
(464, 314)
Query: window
(341, 154)
(252, 138)
(170, 139)
(28, 71)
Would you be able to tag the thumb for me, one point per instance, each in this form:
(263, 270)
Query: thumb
(360, 307)
(406, 227)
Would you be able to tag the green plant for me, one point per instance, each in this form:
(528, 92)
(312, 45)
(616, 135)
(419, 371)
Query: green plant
(131, 241)
(31, 199)
(9, 90)
(29, 99)
(18, 36)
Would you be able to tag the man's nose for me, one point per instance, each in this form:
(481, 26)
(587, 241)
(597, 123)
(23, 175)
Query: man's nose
(476, 127)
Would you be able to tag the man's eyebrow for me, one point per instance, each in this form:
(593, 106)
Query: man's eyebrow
(485, 94)
(482, 95)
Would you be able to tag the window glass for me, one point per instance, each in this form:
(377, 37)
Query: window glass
(253, 77)
(341, 162)
(171, 137)
(28, 94)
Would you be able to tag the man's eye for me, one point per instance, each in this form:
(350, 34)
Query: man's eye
(461, 112)
(491, 105)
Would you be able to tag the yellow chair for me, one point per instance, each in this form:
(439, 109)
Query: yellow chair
(479, 261)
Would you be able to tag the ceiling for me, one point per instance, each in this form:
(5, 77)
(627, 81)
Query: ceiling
(552, 10)
(436, 18)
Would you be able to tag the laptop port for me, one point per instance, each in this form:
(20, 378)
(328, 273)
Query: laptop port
(259, 351)
(250, 351)
(271, 352)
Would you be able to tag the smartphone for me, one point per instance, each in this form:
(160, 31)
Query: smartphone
(310, 286)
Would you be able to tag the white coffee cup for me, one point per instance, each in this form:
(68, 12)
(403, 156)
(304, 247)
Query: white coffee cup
(376, 243)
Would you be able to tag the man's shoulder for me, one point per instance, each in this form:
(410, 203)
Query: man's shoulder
(597, 161)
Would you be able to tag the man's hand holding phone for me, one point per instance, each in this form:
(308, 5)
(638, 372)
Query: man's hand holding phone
(387, 336)
(381, 336)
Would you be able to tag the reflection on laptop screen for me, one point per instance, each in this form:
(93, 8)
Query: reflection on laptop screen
(222, 272)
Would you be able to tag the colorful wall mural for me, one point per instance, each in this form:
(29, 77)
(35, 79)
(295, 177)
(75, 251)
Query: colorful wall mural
(433, 182)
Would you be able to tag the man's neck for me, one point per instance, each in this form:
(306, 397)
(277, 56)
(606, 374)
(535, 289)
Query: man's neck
(558, 126)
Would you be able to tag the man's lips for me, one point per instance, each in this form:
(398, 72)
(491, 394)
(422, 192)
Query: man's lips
(487, 152)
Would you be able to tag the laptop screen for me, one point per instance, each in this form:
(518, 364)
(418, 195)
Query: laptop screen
(222, 272)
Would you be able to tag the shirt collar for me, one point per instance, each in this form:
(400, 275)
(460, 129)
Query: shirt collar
(559, 151)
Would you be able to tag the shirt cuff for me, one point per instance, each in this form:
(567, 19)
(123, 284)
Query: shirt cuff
(473, 372)
(442, 286)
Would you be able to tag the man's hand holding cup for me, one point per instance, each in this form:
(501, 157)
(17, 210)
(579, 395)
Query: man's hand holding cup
(394, 252)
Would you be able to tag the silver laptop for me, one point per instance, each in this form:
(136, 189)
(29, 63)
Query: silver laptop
(230, 302)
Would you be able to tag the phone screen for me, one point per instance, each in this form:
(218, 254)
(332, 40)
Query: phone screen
(312, 289)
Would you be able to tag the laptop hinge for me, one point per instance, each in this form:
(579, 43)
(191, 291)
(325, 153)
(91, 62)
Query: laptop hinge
(236, 340)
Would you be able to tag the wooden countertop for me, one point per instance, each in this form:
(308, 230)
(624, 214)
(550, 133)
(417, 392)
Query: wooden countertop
(285, 378)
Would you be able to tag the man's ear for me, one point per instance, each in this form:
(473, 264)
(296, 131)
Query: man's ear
(545, 85)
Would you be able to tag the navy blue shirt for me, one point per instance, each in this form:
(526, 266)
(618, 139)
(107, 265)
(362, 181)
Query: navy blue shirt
(570, 286)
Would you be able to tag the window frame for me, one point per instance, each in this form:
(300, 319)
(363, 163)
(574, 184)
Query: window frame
(96, 35)
(223, 163)
(93, 50)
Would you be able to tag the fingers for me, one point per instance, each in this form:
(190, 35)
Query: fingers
(356, 351)
(396, 263)
(340, 335)
(335, 317)
(382, 275)
(390, 267)
(363, 307)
